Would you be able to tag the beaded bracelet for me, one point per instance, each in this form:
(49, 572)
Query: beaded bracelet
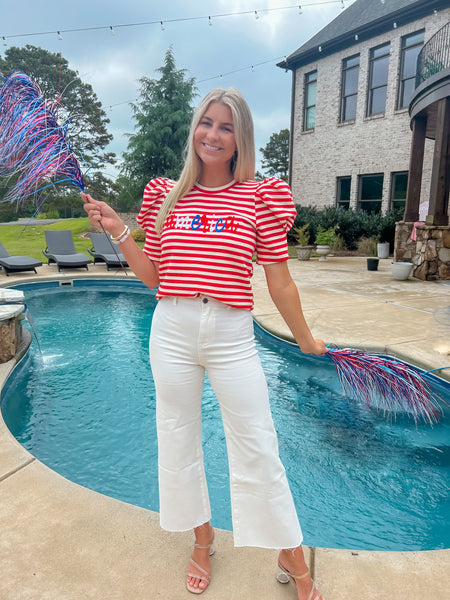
(119, 237)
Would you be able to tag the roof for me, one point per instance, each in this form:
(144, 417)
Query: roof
(363, 18)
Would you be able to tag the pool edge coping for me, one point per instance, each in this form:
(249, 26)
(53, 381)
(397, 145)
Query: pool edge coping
(324, 561)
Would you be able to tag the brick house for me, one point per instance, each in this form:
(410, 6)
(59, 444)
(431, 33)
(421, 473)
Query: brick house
(351, 88)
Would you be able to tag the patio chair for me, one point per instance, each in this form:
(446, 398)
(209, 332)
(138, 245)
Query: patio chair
(61, 250)
(104, 250)
(14, 264)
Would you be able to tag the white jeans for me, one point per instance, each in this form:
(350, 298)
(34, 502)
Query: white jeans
(189, 336)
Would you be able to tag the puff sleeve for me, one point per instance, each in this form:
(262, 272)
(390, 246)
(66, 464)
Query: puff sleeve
(155, 192)
(275, 215)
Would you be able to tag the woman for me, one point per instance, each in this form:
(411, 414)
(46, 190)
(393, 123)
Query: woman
(201, 234)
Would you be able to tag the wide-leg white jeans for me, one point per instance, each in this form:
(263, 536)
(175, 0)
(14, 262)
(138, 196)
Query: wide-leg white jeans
(189, 337)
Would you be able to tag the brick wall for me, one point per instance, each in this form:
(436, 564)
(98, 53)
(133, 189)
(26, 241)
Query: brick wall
(367, 145)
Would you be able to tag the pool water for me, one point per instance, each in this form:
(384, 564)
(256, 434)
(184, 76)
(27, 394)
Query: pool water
(85, 406)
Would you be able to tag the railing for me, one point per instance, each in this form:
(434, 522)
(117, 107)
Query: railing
(434, 56)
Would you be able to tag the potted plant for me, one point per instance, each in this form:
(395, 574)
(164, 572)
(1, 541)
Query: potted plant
(325, 238)
(401, 270)
(383, 249)
(303, 248)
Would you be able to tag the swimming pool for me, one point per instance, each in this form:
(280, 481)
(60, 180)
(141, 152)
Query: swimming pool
(85, 407)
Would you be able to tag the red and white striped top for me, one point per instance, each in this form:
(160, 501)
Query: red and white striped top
(208, 241)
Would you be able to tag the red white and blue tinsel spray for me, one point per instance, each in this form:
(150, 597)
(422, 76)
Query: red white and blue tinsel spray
(386, 384)
(34, 150)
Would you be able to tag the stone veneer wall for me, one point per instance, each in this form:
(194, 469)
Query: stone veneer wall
(430, 253)
(10, 337)
(129, 219)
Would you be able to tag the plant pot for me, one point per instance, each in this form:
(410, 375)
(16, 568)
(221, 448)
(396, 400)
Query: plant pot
(383, 250)
(401, 270)
(304, 252)
(372, 264)
(323, 251)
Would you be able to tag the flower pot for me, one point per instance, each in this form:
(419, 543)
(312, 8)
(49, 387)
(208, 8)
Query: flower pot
(323, 251)
(372, 264)
(401, 270)
(383, 250)
(304, 252)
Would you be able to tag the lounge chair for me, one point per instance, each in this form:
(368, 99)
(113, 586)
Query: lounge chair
(104, 250)
(14, 264)
(61, 250)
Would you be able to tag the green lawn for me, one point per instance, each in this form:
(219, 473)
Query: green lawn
(29, 240)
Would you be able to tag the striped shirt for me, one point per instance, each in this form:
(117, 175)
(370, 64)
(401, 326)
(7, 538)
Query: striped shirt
(208, 241)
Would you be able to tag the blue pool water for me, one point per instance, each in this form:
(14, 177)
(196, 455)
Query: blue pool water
(86, 408)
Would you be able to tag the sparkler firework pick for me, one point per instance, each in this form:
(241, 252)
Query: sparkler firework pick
(34, 150)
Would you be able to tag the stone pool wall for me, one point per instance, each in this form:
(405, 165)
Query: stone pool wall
(429, 252)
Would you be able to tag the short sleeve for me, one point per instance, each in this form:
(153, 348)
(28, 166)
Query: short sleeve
(155, 192)
(275, 215)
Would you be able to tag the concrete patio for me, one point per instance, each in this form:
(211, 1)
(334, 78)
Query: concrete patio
(60, 541)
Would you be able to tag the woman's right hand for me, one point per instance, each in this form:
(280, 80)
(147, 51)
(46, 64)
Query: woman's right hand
(100, 211)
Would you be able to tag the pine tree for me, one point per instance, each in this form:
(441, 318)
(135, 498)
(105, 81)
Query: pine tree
(162, 115)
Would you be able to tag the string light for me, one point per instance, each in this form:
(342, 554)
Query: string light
(342, 4)
(59, 35)
(210, 21)
(110, 28)
(394, 25)
(4, 41)
(300, 10)
(356, 36)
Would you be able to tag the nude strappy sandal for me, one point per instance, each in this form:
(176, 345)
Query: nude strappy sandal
(202, 574)
(285, 576)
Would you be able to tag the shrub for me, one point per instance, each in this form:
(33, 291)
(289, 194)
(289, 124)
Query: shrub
(138, 235)
(352, 225)
(367, 246)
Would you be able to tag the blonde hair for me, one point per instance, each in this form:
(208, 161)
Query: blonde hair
(242, 167)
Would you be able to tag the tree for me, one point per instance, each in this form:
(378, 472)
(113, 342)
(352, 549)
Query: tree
(163, 115)
(276, 155)
(88, 132)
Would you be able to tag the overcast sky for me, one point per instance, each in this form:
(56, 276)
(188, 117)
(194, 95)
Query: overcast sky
(113, 62)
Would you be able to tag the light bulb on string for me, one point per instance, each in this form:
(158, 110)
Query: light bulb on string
(300, 10)
(4, 41)
(59, 35)
(210, 21)
(162, 26)
(112, 30)
(256, 14)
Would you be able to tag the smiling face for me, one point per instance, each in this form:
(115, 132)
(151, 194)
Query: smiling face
(214, 140)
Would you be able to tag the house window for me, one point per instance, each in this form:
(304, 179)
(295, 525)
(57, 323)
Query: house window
(398, 190)
(378, 79)
(411, 46)
(349, 88)
(309, 113)
(343, 192)
(370, 193)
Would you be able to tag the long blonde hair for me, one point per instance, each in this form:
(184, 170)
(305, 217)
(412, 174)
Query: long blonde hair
(242, 167)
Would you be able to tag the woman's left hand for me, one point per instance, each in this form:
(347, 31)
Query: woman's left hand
(316, 347)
